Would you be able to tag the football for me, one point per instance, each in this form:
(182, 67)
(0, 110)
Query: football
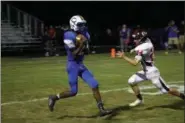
(80, 38)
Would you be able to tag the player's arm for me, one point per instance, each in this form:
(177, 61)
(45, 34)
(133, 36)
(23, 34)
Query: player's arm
(129, 60)
(70, 43)
(175, 30)
(75, 51)
(72, 46)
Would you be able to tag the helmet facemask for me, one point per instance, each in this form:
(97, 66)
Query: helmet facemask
(138, 37)
(81, 26)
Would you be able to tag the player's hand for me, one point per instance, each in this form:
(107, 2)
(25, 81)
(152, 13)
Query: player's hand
(81, 40)
(121, 54)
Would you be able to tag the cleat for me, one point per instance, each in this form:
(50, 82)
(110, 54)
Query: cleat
(56, 54)
(180, 52)
(166, 53)
(136, 103)
(51, 102)
(47, 54)
(104, 112)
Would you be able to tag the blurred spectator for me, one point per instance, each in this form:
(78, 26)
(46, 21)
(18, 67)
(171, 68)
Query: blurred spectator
(156, 37)
(45, 36)
(50, 43)
(59, 39)
(52, 32)
(65, 27)
(124, 34)
(173, 36)
(108, 37)
(138, 27)
(181, 35)
(46, 41)
(109, 32)
(166, 31)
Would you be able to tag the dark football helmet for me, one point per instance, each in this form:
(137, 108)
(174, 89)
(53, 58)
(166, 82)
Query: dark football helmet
(139, 36)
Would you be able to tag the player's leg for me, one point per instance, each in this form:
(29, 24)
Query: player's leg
(125, 45)
(87, 76)
(181, 42)
(166, 47)
(176, 42)
(170, 42)
(121, 45)
(73, 79)
(133, 82)
(57, 46)
(47, 47)
(162, 86)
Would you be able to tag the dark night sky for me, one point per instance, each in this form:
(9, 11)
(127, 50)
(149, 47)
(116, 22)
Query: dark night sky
(106, 14)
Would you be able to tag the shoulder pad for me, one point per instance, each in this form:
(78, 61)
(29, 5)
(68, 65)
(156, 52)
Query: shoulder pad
(69, 35)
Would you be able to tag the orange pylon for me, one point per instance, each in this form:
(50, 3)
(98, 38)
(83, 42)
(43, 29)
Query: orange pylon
(113, 53)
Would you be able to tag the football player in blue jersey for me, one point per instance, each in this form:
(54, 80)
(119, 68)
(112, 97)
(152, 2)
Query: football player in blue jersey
(75, 41)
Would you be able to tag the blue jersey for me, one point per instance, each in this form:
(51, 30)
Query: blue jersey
(70, 43)
(75, 66)
(124, 33)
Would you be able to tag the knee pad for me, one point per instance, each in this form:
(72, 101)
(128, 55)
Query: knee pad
(131, 80)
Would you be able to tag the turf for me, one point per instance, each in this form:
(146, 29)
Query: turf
(27, 79)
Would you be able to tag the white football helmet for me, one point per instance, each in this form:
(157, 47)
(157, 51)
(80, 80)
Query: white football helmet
(77, 23)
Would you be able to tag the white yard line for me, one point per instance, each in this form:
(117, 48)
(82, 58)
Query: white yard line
(81, 94)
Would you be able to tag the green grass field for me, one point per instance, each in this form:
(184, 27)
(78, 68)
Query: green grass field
(27, 82)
